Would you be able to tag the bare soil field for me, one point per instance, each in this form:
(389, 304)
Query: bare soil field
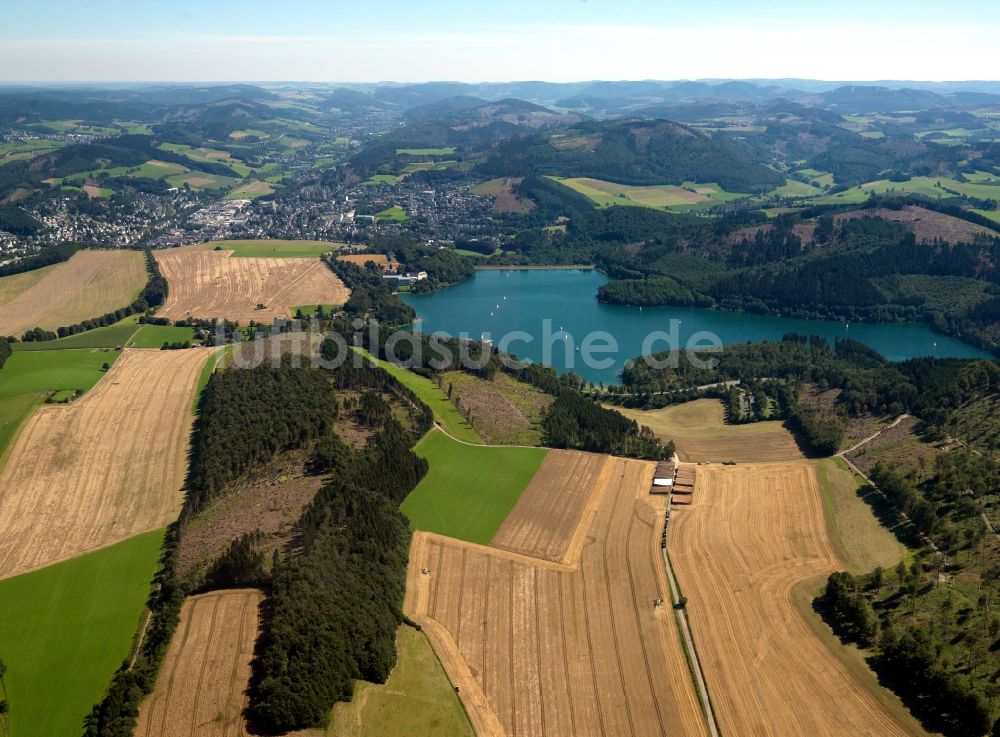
(114, 462)
(202, 686)
(927, 225)
(543, 648)
(211, 284)
(545, 520)
(90, 284)
(751, 535)
(701, 433)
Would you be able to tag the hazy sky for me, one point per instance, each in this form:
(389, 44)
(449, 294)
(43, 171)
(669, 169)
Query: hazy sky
(469, 40)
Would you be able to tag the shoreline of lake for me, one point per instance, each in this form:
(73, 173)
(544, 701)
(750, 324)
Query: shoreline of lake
(552, 312)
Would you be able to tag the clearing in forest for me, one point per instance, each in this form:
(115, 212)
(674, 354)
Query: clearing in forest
(751, 535)
(563, 650)
(503, 410)
(700, 432)
(201, 689)
(215, 284)
(89, 284)
(114, 462)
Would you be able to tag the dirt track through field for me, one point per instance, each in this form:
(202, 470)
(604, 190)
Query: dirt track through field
(90, 284)
(107, 467)
(212, 284)
(752, 534)
(201, 689)
(542, 648)
(546, 518)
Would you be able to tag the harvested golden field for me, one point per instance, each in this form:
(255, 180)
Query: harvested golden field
(542, 648)
(701, 433)
(212, 284)
(114, 462)
(90, 284)
(546, 520)
(752, 534)
(201, 689)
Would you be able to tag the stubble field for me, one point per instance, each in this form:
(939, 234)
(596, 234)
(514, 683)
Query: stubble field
(90, 284)
(202, 685)
(114, 462)
(544, 522)
(751, 535)
(215, 284)
(543, 648)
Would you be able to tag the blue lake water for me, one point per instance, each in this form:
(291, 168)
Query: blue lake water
(540, 302)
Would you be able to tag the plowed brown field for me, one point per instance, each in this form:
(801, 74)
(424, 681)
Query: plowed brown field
(547, 518)
(543, 648)
(107, 467)
(751, 534)
(212, 284)
(202, 686)
(90, 284)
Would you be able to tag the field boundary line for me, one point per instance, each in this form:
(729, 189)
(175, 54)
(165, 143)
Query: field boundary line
(521, 558)
(574, 551)
(476, 704)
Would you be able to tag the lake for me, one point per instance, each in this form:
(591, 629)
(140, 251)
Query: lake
(540, 302)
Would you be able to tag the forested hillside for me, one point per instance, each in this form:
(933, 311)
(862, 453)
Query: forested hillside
(632, 152)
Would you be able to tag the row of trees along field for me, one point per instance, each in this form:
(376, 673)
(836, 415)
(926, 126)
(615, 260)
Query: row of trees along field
(245, 417)
(153, 295)
(576, 421)
(5, 352)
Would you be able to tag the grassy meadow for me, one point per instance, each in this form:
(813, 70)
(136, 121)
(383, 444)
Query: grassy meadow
(29, 372)
(278, 248)
(863, 542)
(66, 628)
(395, 212)
(469, 490)
(688, 195)
(418, 698)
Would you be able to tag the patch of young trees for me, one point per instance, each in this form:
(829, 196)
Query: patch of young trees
(910, 658)
(576, 421)
(334, 609)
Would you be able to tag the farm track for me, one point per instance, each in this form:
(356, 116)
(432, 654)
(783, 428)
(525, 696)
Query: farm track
(213, 284)
(209, 668)
(573, 648)
(104, 468)
(752, 534)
